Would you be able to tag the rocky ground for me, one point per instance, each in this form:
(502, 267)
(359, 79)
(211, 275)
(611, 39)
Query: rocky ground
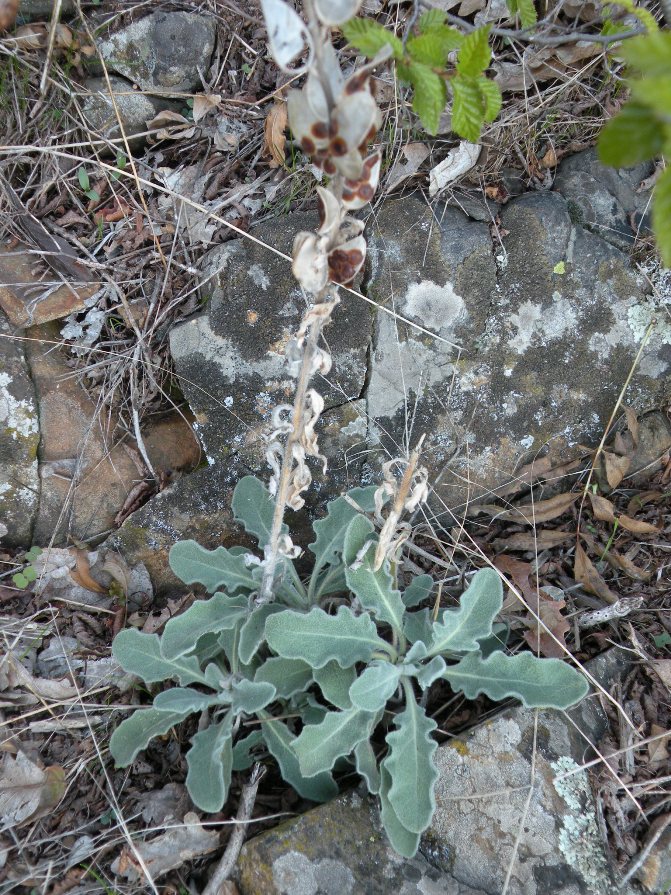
(517, 318)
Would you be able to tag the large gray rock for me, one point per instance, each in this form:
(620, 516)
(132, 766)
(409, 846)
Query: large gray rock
(134, 108)
(165, 51)
(511, 800)
(19, 440)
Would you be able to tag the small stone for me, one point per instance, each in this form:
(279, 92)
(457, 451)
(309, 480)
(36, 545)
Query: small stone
(165, 51)
(134, 108)
(58, 660)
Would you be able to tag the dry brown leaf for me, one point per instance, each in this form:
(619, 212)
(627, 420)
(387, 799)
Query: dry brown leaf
(616, 560)
(8, 11)
(116, 566)
(637, 526)
(588, 575)
(415, 154)
(26, 791)
(658, 754)
(638, 501)
(524, 540)
(549, 160)
(81, 574)
(204, 103)
(541, 511)
(550, 614)
(30, 37)
(663, 670)
(602, 508)
(614, 467)
(274, 137)
(168, 125)
(632, 423)
(42, 688)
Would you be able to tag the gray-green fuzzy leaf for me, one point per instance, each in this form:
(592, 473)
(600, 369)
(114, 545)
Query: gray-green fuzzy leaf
(427, 674)
(184, 700)
(538, 683)
(254, 507)
(242, 750)
(374, 589)
(218, 613)
(366, 765)
(330, 532)
(417, 591)
(403, 840)
(251, 696)
(252, 632)
(410, 764)
(140, 654)
(210, 762)
(335, 682)
(288, 676)
(279, 740)
(134, 733)
(319, 638)
(211, 568)
(460, 629)
(375, 686)
(417, 626)
(319, 745)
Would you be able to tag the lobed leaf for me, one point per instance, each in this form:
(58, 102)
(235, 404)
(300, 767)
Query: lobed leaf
(319, 745)
(538, 683)
(288, 676)
(330, 533)
(251, 696)
(427, 674)
(377, 683)
(417, 591)
(460, 629)
(254, 507)
(418, 628)
(319, 638)
(253, 631)
(242, 750)
(410, 766)
(210, 762)
(335, 682)
(403, 840)
(140, 654)
(194, 564)
(219, 613)
(184, 700)
(280, 740)
(374, 589)
(366, 765)
(134, 733)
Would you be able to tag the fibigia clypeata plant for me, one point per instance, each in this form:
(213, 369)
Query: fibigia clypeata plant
(331, 668)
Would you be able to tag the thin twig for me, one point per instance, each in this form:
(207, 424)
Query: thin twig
(230, 855)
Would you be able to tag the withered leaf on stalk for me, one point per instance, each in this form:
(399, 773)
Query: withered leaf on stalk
(526, 540)
(26, 791)
(274, 137)
(588, 575)
(614, 467)
(541, 511)
(616, 560)
(604, 511)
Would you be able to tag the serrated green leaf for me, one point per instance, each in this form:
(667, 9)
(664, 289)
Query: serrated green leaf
(242, 750)
(417, 591)
(194, 564)
(374, 589)
(410, 765)
(140, 654)
(491, 92)
(526, 11)
(330, 533)
(251, 696)
(279, 741)
(134, 733)
(661, 216)
(632, 136)
(252, 632)
(218, 613)
(366, 765)
(417, 627)
(210, 762)
(369, 37)
(319, 745)
(334, 682)
(460, 629)
(468, 108)
(474, 54)
(254, 508)
(375, 686)
(649, 54)
(538, 683)
(654, 93)
(427, 674)
(184, 701)
(429, 95)
(433, 47)
(319, 638)
(432, 18)
(288, 676)
(403, 840)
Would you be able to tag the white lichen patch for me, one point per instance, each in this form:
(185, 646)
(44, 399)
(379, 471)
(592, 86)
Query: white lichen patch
(579, 838)
(259, 277)
(359, 426)
(546, 324)
(295, 874)
(437, 308)
(525, 321)
(16, 417)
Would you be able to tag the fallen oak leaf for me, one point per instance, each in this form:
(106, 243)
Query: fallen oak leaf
(26, 791)
(588, 575)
